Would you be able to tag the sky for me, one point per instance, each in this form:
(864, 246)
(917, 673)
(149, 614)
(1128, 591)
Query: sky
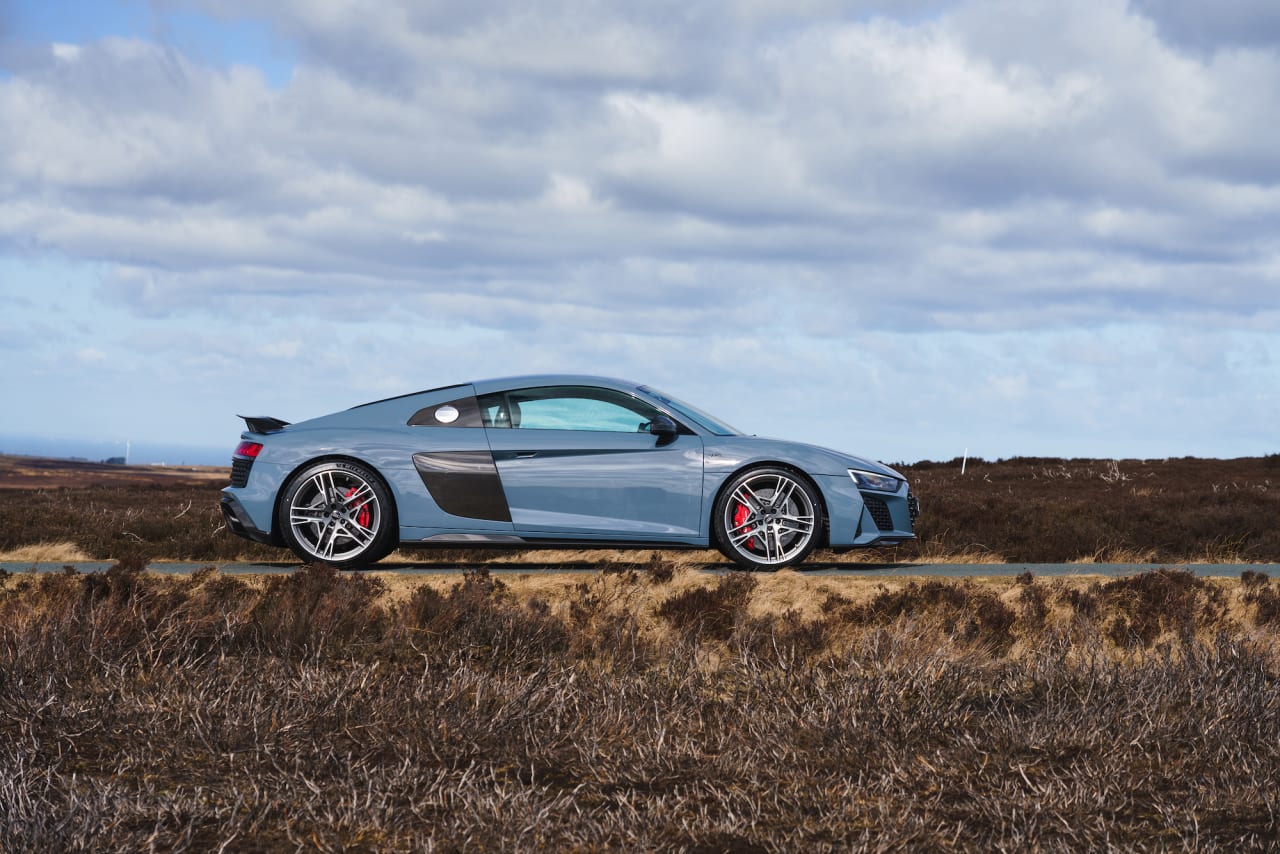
(902, 229)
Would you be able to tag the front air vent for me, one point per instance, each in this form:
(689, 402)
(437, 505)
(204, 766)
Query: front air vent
(879, 512)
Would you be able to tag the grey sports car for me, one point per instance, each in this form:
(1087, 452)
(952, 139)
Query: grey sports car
(551, 461)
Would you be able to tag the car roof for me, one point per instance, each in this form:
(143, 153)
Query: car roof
(537, 380)
(520, 381)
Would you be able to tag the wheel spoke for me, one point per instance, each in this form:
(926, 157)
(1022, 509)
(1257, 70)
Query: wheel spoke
(359, 495)
(746, 496)
(328, 537)
(358, 532)
(799, 520)
(782, 492)
(323, 486)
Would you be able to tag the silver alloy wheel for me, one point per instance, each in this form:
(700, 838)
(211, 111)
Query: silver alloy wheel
(335, 514)
(769, 518)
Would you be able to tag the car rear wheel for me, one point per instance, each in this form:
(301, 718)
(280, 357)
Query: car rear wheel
(340, 513)
(767, 518)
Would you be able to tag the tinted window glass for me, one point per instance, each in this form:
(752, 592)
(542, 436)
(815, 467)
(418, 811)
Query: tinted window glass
(697, 416)
(567, 408)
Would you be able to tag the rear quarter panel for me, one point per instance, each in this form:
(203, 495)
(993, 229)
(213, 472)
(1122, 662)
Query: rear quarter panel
(378, 436)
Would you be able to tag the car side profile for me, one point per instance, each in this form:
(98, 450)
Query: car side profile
(551, 461)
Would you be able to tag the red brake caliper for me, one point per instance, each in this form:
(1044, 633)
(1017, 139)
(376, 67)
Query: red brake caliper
(365, 516)
(740, 516)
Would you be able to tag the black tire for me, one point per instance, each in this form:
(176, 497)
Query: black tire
(754, 530)
(340, 513)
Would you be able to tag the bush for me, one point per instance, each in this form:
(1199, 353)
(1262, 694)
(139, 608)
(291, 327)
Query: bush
(702, 612)
(1164, 600)
(318, 606)
(477, 619)
(960, 610)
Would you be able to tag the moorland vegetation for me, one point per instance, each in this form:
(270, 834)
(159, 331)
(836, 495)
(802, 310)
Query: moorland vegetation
(651, 709)
(1024, 510)
(649, 706)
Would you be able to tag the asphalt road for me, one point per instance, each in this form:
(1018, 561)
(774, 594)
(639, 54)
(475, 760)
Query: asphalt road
(1220, 570)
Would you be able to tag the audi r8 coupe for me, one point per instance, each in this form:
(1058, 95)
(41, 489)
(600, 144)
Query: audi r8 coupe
(543, 461)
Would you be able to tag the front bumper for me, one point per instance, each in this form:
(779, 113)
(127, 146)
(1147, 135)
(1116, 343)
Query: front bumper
(861, 518)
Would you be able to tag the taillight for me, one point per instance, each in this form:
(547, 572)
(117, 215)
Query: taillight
(248, 449)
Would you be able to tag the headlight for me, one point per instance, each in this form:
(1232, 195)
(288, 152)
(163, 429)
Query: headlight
(878, 482)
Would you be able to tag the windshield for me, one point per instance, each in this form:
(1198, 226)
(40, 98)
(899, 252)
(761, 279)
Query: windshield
(707, 422)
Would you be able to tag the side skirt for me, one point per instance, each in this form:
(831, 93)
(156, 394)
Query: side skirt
(491, 541)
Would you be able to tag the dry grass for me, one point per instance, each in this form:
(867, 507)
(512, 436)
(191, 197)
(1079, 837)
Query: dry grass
(45, 553)
(650, 709)
(45, 473)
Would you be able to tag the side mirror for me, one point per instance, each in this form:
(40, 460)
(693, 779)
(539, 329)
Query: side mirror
(664, 428)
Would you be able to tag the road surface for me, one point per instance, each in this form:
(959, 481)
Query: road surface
(949, 570)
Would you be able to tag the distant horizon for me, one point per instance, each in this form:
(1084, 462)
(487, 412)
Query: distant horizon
(140, 452)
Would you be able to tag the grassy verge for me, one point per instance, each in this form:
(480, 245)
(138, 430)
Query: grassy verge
(652, 709)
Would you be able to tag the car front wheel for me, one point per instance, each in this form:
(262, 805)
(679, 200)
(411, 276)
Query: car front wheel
(340, 513)
(767, 518)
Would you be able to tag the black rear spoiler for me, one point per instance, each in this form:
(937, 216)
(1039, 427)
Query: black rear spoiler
(263, 423)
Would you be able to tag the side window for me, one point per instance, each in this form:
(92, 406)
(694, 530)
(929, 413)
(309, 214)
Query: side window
(566, 408)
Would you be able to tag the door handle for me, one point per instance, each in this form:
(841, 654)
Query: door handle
(526, 455)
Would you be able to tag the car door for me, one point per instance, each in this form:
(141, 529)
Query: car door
(580, 461)
(460, 490)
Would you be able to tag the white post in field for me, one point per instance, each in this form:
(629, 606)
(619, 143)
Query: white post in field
(964, 463)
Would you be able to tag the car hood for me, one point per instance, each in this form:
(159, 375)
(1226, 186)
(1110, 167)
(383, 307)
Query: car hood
(813, 458)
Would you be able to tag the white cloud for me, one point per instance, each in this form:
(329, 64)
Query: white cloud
(91, 355)
(746, 188)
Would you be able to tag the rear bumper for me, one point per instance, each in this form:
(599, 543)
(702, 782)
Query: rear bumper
(241, 524)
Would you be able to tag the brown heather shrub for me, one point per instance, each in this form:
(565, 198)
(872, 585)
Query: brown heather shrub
(604, 628)
(961, 611)
(660, 570)
(477, 620)
(1033, 604)
(113, 522)
(711, 613)
(304, 611)
(835, 605)
(310, 714)
(783, 639)
(1084, 604)
(1266, 603)
(1164, 600)
(1265, 599)
(1045, 510)
(1251, 579)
